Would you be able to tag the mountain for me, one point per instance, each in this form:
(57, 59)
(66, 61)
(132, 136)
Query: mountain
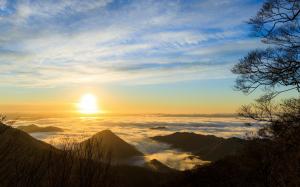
(207, 147)
(26, 161)
(21, 156)
(34, 128)
(157, 166)
(19, 142)
(109, 143)
(159, 128)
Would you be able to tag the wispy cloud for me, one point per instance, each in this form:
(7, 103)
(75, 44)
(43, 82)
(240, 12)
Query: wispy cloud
(2, 4)
(49, 43)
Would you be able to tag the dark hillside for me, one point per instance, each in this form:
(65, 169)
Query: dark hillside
(207, 147)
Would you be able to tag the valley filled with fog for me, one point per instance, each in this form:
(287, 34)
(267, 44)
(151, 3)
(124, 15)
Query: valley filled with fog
(137, 130)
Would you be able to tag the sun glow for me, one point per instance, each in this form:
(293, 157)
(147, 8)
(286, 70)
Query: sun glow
(88, 104)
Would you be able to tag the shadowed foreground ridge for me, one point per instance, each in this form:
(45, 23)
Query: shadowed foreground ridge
(26, 162)
(14, 141)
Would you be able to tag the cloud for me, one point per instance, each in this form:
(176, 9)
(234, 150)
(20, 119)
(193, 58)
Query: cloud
(136, 130)
(137, 42)
(24, 9)
(176, 159)
(2, 4)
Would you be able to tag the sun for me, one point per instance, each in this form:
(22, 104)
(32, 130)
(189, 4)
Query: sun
(88, 104)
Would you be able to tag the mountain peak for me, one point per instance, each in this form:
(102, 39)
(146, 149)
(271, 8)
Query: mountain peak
(110, 142)
(106, 132)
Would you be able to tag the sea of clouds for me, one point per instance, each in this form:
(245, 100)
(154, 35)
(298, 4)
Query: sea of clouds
(137, 131)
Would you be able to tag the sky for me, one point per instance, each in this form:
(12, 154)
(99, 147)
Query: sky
(136, 56)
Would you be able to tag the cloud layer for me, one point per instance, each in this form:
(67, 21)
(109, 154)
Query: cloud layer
(49, 43)
(137, 130)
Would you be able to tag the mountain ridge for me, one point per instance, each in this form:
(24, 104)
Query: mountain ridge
(34, 128)
(207, 147)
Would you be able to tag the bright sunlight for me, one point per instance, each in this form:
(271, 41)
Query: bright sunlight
(88, 104)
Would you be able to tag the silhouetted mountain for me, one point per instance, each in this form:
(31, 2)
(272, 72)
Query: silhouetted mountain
(157, 166)
(20, 156)
(23, 163)
(34, 128)
(207, 147)
(260, 163)
(109, 143)
(159, 128)
(26, 161)
(20, 142)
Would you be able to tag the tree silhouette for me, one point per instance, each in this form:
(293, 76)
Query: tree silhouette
(276, 68)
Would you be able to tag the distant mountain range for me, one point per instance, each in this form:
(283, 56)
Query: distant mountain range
(34, 128)
(207, 147)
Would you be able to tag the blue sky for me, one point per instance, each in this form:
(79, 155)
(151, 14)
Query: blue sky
(122, 44)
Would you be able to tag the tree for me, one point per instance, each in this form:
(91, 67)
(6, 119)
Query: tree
(279, 120)
(276, 68)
